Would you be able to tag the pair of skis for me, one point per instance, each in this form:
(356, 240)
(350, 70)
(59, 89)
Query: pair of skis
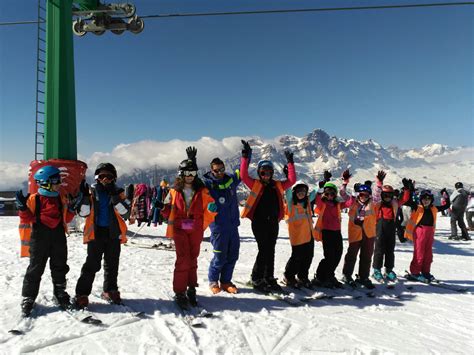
(437, 283)
(156, 246)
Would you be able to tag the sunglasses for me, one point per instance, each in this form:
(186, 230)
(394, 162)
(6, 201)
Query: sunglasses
(218, 171)
(190, 173)
(104, 176)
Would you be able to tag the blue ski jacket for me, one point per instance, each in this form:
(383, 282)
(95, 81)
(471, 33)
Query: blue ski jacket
(224, 192)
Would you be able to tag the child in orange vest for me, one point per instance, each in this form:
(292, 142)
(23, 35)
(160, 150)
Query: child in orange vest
(43, 226)
(264, 207)
(189, 209)
(420, 229)
(328, 229)
(298, 216)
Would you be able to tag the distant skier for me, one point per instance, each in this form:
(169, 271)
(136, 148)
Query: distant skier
(140, 205)
(105, 206)
(159, 194)
(189, 209)
(225, 237)
(470, 211)
(328, 228)
(386, 206)
(421, 229)
(459, 200)
(43, 226)
(264, 207)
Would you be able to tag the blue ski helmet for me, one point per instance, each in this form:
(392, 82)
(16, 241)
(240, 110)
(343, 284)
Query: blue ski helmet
(365, 188)
(47, 175)
(265, 164)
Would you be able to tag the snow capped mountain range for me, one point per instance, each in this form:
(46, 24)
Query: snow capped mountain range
(434, 166)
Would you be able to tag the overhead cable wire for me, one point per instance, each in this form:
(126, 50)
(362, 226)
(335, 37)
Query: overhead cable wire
(256, 12)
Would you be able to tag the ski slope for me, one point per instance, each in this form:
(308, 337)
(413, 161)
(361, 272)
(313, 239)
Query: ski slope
(426, 319)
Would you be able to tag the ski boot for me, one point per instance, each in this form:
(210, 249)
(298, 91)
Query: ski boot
(290, 282)
(61, 297)
(191, 295)
(418, 277)
(80, 302)
(391, 276)
(305, 283)
(181, 300)
(27, 304)
(112, 297)
(214, 287)
(377, 275)
(316, 282)
(261, 285)
(348, 280)
(430, 278)
(336, 283)
(273, 285)
(365, 283)
(229, 287)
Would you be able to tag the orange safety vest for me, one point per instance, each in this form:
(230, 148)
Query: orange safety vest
(208, 216)
(255, 192)
(89, 230)
(415, 218)
(299, 223)
(318, 227)
(369, 224)
(25, 229)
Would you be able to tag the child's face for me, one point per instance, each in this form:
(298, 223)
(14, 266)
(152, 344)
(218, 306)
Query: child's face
(105, 177)
(363, 197)
(55, 187)
(188, 180)
(329, 194)
(426, 201)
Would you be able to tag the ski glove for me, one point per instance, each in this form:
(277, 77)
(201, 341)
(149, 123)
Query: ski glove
(381, 175)
(285, 170)
(289, 157)
(321, 184)
(246, 151)
(84, 188)
(20, 200)
(212, 207)
(327, 175)
(346, 175)
(408, 184)
(191, 152)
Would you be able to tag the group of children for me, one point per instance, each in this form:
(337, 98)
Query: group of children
(193, 204)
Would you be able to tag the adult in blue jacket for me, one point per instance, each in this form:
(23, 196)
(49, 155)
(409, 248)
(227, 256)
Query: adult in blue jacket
(224, 230)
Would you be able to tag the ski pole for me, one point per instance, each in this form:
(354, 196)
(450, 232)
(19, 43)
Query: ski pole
(139, 229)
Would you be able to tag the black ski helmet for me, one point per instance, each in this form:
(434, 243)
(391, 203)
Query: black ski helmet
(458, 185)
(187, 165)
(106, 166)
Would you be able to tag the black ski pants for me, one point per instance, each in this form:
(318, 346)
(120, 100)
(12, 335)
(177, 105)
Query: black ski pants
(332, 248)
(109, 248)
(45, 243)
(300, 261)
(385, 245)
(459, 219)
(366, 247)
(266, 234)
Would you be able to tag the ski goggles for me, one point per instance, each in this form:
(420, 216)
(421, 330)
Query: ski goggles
(104, 176)
(266, 172)
(218, 171)
(300, 190)
(190, 173)
(364, 194)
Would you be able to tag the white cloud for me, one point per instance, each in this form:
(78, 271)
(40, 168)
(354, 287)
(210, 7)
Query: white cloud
(12, 175)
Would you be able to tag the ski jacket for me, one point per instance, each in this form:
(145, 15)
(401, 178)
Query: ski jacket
(140, 204)
(299, 219)
(368, 223)
(385, 211)
(459, 199)
(49, 211)
(196, 217)
(224, 193)
(117, 214)
(470, 204)
(256, 187)
(415, 219)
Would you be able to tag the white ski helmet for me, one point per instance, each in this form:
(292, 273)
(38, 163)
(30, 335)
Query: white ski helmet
(300, 183)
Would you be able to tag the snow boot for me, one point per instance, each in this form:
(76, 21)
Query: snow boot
(273, 285)
(61, 297)
(27, 304)
(229, 287)
(181, 300)
(377, 275)
(112, 297)
(214, 287)
(80, 302)
(261, 285)
(391, 276)
(191, 295)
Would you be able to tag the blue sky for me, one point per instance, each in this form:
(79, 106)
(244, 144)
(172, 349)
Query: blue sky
(400, 76)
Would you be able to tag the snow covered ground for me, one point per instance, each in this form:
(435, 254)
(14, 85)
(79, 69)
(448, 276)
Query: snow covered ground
(425, 319)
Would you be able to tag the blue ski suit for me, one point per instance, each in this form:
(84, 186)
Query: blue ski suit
(225, 237)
